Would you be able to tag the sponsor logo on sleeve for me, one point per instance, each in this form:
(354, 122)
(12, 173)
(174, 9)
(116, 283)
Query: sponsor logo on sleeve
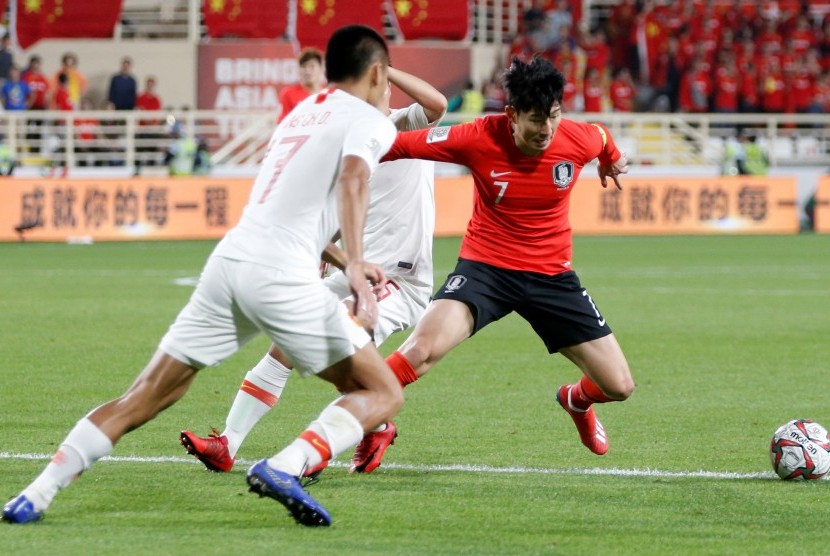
(438, 134)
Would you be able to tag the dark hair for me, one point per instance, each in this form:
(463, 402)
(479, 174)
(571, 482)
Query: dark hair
(351, 50)
(308, 54)
(533, 86)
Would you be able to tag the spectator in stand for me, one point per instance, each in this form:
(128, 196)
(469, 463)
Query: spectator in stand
(62, 99)
(148, 134)
(622, 28)
(559, 21)
(533, 37)
(312, 79)
(571, 99)
(820, 103)
(6, 57)
(695, 88)
(727, 83)
(122, 92)
(803, 37)
(87, 135)
(38, 97)
(770, 40)
(750, 98)
(38, 84)
(148, 99)
(668, 72)
(75, 81)
(593, 91)
(622, 91)
(773, 87)
(597, 52)
(800, 89)
(15, 93)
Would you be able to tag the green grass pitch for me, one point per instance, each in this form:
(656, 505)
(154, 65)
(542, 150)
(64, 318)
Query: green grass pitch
(727, 337)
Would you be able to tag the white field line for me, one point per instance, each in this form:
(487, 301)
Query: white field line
(461, 468)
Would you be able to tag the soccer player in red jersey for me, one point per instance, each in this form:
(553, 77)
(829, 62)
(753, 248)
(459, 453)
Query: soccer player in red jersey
(516, 254)
(312, 80)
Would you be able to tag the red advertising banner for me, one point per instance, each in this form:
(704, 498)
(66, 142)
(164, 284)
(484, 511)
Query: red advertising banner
(248, 75)
(205, 208)
(822, 206)
(253, 19)
(448, 20)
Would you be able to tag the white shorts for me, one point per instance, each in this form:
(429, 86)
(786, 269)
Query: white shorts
(235, 300)
(400, 305)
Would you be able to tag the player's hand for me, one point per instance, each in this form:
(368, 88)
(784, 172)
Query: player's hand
(613, 171)
(365, 280)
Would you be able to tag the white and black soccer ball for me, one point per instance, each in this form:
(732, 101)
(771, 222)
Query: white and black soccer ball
(800, 449)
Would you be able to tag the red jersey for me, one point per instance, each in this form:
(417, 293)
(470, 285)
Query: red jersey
(520, 204)
(148, 101)
(39, 86)
(290, 96)
(622, 96)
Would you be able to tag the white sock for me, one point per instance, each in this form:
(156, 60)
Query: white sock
(336, 429)
(84, 445)
(259, 392)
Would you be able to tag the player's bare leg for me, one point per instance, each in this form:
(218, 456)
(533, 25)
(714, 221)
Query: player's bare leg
(444, 325)
(371, 396)
(606, 378)
(162, 382)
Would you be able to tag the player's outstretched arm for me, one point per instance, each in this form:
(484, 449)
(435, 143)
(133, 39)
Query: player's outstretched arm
(430, 98)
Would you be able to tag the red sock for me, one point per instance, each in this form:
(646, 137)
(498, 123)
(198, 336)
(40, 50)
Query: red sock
(586, 392)
(402, 368)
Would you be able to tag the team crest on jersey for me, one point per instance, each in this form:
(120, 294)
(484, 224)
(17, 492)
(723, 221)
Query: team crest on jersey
(563, 174)
(374, 145)
(438, 134)
(454, 283)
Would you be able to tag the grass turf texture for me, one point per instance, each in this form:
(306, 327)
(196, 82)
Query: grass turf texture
(726, 337)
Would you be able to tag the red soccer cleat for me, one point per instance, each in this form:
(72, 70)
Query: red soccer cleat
(211, 450)
(370, 451)
(315, 471)
(591, 431)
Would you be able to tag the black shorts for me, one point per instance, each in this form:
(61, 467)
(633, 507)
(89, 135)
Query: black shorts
(557, 307)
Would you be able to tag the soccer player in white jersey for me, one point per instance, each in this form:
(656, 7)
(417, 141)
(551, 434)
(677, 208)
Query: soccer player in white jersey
(264, 276)
(398, 237)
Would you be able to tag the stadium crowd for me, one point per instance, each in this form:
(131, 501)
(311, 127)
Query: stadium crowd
(686, 55)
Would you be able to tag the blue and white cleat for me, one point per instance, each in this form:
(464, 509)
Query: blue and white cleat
(21, 510)
(286, 489)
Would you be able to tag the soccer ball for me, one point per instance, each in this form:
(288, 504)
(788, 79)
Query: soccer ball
(800, 449)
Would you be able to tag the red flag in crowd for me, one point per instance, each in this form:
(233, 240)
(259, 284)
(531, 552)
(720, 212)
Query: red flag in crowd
(433, 19)
(318, 19)
(40, 19)
(250, 19)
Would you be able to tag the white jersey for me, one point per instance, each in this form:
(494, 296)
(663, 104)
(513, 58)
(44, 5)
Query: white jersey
(291, 213)
(401, 218)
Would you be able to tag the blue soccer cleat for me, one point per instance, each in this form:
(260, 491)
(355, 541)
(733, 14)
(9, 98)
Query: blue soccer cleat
(286, 489)
(21, 510)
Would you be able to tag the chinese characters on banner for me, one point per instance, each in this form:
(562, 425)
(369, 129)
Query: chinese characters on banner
(205, 208)
(654, 206)
(109, 209)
